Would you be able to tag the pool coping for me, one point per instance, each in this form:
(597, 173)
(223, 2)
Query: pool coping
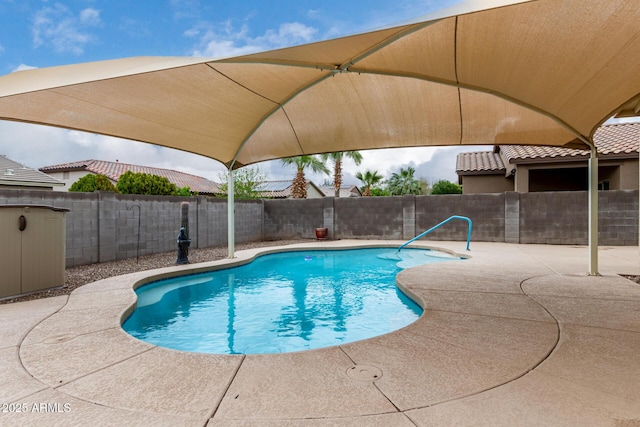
(247, 256)
(234, 263)
(491, 332)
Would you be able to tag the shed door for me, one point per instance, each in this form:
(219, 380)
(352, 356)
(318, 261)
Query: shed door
(10, 252)
(43, 250)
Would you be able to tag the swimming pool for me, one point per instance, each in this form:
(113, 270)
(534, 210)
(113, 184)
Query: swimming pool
(282, 302)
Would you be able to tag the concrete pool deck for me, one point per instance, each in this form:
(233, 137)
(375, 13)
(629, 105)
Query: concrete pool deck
(515, 335)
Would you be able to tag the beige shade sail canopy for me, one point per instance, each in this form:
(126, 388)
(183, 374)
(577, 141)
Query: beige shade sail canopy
(543, 72)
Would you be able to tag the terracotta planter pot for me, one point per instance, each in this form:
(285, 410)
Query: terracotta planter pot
(321, 233)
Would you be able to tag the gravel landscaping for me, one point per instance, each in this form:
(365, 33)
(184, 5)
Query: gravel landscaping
(79, 276)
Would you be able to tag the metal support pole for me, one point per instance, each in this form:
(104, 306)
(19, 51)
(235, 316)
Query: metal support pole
(231, 216)
(593, 212)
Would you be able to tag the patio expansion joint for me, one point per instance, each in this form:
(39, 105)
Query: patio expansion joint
(43, 320)
(582, 298)
(461, 291)
(102, 368)
(494, 316)
(26, 334)
(579, 325)
(517, 377)
(537, 259)
(213, 411)
(81, 334)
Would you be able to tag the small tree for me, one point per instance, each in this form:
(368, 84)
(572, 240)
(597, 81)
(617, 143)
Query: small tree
(404, 182)
(185, 192)
(90, 183)
(144, 183)
(301, 163)
(425, 187)
(380, 192)
(246, 183)
(446, 187)
(369, 179)
(337, 158)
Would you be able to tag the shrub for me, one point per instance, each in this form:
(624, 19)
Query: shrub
(90, 183)
(144, 183)
(446, 187)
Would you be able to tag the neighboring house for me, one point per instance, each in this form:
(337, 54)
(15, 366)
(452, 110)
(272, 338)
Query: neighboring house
(538, 168)
(71, 172)
(345, 191)
(17, 176)
(282, 190)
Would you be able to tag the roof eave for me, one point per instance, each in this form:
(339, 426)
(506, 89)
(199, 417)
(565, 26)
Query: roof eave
(483, 172)
(29, 184)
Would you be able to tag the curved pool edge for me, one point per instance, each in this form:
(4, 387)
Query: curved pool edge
(106, 355)
(249, 255)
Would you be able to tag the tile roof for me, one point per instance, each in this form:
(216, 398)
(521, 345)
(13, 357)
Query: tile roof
(620, 140)
(345, 191)
(15, 174)
(480, 162)
(275, 189)
(280, 189)
(113, 170)
(617, 140)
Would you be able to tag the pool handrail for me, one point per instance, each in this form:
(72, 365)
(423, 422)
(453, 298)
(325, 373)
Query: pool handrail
(437, 226)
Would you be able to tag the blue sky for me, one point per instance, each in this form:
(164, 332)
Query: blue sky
(41, 33)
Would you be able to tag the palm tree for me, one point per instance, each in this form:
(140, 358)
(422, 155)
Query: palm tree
(404, 182)
(369, 179)
(337, 166)
(299, 190)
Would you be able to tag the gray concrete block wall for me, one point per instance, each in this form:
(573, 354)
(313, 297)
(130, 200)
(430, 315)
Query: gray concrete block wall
(103, 226)
(82, 230)
(563, 217)
(512, 217)
(369, 217)
(409, 217)
(160, 221)
(213, 224)
(618, 218)
(248, 223)
(554, 217)
(328, 216)
(292, 218)
(107, 227)
(201, 228)
(486, 212)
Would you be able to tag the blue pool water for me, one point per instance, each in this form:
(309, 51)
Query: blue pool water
(279, 303)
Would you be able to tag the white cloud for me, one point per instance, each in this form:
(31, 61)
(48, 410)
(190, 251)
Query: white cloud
(23, 67)
(135, 29)
(431, 163)
(60, 29)
(90, 17)
(37, 146)
(613, 121)
(287, 34)
(226, 39)
(185, 9)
